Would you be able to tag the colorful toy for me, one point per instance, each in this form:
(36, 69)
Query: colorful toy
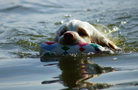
(55, 48)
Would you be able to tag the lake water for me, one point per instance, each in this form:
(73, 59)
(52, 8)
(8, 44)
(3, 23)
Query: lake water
(25, 24)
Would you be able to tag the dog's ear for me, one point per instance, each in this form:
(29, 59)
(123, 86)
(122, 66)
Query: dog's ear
(103, 41)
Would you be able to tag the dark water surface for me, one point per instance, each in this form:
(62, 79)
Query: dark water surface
(25, 24)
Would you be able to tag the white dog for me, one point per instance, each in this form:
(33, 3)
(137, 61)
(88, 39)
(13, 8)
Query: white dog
(76, 31)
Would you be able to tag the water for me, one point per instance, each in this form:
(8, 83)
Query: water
(25, 24)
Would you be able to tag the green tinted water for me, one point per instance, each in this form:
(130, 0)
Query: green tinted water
(24, 25)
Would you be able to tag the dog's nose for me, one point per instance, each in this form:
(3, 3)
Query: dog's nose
(68, 35)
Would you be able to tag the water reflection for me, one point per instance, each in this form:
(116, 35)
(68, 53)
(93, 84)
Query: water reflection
(76, 72)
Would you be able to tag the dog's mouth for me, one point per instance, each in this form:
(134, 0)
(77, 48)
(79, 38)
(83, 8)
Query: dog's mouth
(68, 42)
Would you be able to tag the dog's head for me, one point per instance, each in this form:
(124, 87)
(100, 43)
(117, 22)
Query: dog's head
(72, 33)
(76, 32)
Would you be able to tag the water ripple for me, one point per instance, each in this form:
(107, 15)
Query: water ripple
(24, 24)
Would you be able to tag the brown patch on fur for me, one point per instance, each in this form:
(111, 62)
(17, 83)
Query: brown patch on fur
(111, 45)
(82, 32)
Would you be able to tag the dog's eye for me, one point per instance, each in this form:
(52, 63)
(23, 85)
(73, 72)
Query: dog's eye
(62, 32)
(82, 32)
